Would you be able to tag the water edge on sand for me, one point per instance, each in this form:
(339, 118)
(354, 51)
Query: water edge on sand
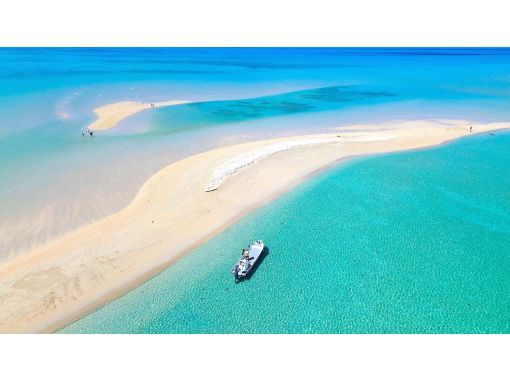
(420, 249)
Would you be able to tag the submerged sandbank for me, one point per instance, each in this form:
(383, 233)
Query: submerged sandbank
(51, 285)
(110, 115)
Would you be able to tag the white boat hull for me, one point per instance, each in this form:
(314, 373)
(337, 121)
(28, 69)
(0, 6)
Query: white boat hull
(246, 264)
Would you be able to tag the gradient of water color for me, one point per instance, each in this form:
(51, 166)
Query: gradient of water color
(52, 180)
(412, 242)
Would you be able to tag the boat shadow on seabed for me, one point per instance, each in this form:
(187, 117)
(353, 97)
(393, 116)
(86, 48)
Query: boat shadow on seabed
(263, 255)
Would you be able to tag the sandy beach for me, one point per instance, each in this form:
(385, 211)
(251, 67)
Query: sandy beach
(51, 285)
(110, 115)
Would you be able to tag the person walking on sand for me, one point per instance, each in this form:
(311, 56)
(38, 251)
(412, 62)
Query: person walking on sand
(470, 129)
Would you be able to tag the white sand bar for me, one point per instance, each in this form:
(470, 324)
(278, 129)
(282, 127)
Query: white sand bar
(59, 281)
(110, 115)
(246, 159)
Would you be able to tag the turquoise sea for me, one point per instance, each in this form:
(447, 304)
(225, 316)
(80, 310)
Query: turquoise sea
(52, 180)
(412, 242)
(422, 248)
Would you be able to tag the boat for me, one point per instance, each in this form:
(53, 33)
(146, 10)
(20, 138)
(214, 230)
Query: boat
(249, 257)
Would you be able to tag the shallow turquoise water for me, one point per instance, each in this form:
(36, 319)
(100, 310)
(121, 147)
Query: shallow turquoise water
(413, 242)
(358, 272)
(52, 180)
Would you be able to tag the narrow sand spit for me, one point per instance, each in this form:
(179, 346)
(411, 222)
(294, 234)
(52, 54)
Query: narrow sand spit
(61, 280)
(110, 115)
(246, 159)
